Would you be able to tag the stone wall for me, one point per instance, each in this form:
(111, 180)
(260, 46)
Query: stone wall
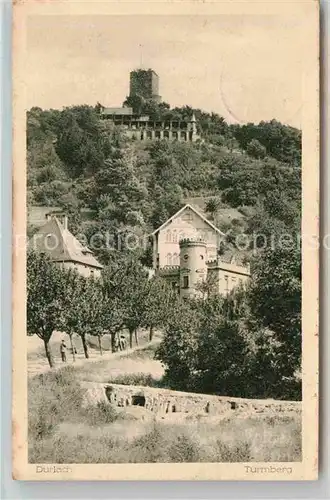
(164, 402)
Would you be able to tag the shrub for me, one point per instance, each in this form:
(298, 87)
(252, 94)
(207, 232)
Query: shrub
(73, 449)
(144, 379)
(255, 149)
(149, 448)
(184, 449)
(53, 398)
(102, 413)
(236, 452)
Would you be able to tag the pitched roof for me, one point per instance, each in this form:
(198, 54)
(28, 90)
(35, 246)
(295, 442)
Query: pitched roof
(196, 212)
(56, 241)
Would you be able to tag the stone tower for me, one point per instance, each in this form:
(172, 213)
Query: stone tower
(193, 268)
(144, 83)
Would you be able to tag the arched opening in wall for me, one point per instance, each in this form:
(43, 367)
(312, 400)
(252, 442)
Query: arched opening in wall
(157, 134)
(109, 393)
(166, 134)
(174, 135)
(149, 134)
(138, 400)
(184, 136)
(175, 259)
(169, 259)
(174, 236)
(168, 236)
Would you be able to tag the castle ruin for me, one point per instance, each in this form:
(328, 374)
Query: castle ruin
(144, 86)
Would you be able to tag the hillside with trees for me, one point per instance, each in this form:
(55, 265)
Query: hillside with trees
(79, 163)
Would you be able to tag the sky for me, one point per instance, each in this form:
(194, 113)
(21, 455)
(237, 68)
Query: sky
(245, 68)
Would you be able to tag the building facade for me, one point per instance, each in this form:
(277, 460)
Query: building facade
(186, 223)
(186, 253)
(144, 83)
(141, 128)
(55, 240)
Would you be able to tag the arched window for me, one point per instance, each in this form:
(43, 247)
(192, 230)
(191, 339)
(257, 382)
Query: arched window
(175, 259)
(168, 236)
(169, 259)
(174, 236)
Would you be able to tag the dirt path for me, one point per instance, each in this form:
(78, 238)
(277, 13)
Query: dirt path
(41, 365)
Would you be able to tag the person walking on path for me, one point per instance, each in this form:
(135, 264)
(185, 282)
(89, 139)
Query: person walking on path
(63, 351)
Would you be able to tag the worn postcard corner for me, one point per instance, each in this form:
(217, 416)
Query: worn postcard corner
(166, 238)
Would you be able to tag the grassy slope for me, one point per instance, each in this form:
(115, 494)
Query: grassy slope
(62, 431)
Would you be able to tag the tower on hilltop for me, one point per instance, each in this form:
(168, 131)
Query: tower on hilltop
(144, 83)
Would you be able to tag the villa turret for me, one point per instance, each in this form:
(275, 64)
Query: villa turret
(144, 84)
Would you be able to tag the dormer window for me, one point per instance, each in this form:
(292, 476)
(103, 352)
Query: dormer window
(51, 241)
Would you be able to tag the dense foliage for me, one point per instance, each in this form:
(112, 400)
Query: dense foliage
(61, 299)
(76, 160)
(226, 346)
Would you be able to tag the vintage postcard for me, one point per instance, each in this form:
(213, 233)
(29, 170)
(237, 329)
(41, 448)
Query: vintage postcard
(166, 239)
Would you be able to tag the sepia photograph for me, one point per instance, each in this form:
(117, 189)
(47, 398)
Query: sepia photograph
(162, 235)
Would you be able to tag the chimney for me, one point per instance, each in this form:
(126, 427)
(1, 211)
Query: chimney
(65, 222)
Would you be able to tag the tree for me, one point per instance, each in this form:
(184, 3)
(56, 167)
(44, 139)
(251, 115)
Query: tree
(221, 358)
(159, 303)
(209, 286)
(82, 302)
(212, 206)
(135, 300)
(94, 310)
(275, 299)
(45, 299)
(126, 282)
(255, 149)
(113, 319)
(178, 348)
